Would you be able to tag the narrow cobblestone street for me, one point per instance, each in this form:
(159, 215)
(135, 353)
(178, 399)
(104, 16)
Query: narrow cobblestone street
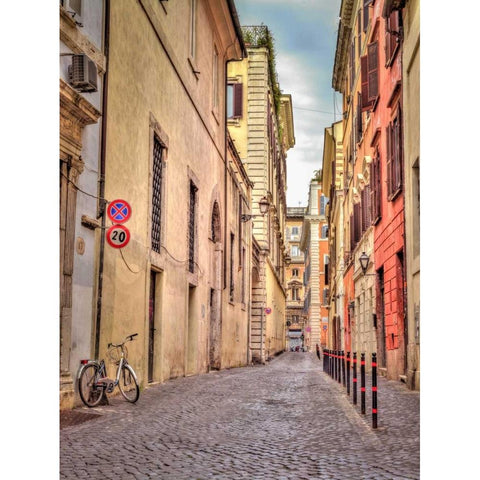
(285, 420)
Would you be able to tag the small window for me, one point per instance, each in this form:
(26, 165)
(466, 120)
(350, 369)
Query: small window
(294, 230)
(295, 272)
(294, 251)
(215, 78)
(234, 100)
(324, 231)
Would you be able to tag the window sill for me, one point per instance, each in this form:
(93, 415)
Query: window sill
(394, 195)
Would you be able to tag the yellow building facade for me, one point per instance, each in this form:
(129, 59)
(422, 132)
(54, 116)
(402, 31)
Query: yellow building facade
(411, 105)
(260, 121)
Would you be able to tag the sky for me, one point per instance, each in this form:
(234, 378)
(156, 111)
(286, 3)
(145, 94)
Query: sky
(305, 34)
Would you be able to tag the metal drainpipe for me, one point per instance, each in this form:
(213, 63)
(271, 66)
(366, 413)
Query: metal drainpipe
(102, 205)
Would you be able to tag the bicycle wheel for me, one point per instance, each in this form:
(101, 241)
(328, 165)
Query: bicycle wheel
(128, 384)
(90, 394)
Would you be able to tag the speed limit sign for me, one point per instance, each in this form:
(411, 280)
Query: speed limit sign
(118, 236)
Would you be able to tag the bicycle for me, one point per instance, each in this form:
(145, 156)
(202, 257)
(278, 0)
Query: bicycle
(93, 382)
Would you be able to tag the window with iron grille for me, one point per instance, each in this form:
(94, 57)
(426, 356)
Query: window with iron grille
(191, 227)
(394, 156)
(157, 194)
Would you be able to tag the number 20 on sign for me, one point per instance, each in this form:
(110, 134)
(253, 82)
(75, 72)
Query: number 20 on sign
(118, 236)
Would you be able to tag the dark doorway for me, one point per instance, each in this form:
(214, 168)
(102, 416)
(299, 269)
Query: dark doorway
(381, 344)
(151, 325)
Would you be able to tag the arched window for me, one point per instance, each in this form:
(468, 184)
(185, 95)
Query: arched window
(215, 226)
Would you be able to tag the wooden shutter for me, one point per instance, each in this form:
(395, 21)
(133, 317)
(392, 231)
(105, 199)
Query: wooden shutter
(352, 65)
(359, 116)
(359, 32)
(237, 100)
(389, 160)
(378, 189)
(366, 103)
(352, 235)
(372, 71)
(357, 221)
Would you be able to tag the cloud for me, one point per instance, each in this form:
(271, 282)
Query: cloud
(305, 36)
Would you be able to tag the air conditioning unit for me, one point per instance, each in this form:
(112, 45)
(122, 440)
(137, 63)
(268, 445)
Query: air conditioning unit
(83, 73)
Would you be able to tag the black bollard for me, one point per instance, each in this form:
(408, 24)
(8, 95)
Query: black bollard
(334, 365)
(362, 380)
(343, 369)
(374, 390)
(318, 351)
(348, 373)
(325, 360)
(339, 366)
(354, 380)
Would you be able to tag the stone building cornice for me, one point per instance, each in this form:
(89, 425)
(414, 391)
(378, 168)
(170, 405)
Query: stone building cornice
(77, 42)
(344, 32)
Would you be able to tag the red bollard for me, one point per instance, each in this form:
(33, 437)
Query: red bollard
(374, 390)
(362, 380)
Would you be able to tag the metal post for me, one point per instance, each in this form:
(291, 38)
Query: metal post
(348, 373)
(339, 366)
(354, 381)
(343, 369)
(362, 380)
(334, 365)
(374, 390)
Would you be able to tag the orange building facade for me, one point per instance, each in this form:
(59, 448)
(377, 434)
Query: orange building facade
(368, 73)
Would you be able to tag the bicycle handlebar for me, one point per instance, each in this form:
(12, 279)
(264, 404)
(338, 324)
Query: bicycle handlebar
(127, 339)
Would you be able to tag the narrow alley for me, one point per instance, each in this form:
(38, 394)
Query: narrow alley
(283, 420)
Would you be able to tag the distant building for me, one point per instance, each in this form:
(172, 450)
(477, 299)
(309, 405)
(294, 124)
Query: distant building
(294, 277)
(314, 245)
(333, 181)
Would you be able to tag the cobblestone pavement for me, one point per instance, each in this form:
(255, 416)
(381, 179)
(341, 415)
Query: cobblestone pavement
(284, 420)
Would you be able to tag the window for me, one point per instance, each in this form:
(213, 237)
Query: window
(215, 78)
(157, 194)
(295, 272)
(323, 204)
(294, 251)
(234, 100)
(232, 249)
(193, 28)
(326, 260)
(243, 274)
(366, 207)
(394, 156)
(392, 36)
(191, 227)
(375, 188)
(324, 231)
(295, 294)
(369, 74)
(366, 4)
(294, 230)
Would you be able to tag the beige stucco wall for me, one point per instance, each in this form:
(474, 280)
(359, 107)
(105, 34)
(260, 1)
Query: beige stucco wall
(153, 88)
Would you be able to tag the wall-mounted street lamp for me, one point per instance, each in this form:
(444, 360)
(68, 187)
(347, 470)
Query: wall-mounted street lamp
(263, 204)
(364, 260)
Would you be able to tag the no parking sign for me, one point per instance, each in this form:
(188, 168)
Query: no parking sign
(119, 211)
